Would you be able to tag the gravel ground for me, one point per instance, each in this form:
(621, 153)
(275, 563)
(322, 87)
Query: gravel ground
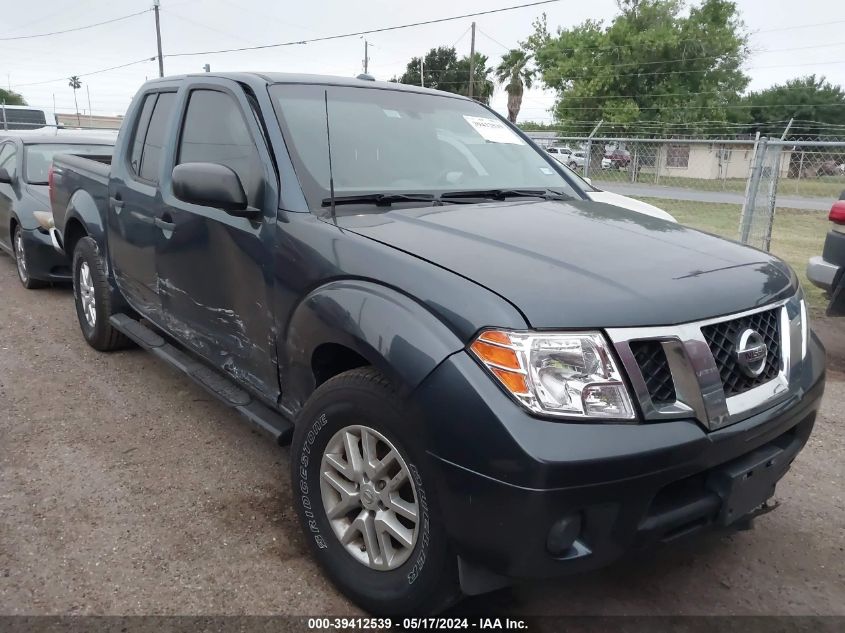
(125, 490)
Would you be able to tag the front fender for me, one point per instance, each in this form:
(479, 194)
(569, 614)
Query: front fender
(394, 333)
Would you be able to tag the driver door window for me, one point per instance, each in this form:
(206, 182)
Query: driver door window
(215, 132)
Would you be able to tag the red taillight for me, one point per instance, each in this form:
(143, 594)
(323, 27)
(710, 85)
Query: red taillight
(50, 181)
(837, 212)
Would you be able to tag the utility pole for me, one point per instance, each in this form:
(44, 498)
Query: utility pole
(90, 120)
(422, 71)
(471, 61)
(158, 39)
(366, 57)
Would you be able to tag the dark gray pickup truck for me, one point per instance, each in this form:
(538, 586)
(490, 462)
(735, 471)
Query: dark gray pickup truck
(484, 375)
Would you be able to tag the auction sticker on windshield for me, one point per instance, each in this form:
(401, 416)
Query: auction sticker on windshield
(493, 130)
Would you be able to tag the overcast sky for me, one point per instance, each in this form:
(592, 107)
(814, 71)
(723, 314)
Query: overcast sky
(818, 46)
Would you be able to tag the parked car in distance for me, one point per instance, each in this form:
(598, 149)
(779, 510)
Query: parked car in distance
(483, 374)
(561, 154)
(616, 159)
(576, 160)
(13, 118)
(829, 168)
(827, 271)
(26, 219)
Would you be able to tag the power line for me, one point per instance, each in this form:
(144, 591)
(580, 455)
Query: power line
(367, 32)
(78, 28)
(93, 72)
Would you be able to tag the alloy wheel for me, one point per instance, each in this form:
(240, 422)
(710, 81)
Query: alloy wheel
(369, 497)
(20, 256)
(86, 294)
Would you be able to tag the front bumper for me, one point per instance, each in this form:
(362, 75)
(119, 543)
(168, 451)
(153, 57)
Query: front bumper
(43, 261)
(506, 480)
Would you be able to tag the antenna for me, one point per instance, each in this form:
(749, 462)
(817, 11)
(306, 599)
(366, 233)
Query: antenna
(329, 143)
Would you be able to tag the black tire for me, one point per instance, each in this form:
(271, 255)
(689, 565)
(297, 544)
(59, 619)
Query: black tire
(573, 165)
(101, 335)
(427, 582)
(20, 262)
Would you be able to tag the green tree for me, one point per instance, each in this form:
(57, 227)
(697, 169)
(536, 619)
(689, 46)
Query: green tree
(443, 70)
(439, 70)
(75, 83)
(482, 86)
(10, 97)
(514, 73)
(655, 63)
(812, 101)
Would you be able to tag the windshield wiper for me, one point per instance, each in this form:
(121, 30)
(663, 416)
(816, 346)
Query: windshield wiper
(381, 199)
(503, 194)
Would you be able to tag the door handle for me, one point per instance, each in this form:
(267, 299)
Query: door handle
(164, 225)
(117, 204)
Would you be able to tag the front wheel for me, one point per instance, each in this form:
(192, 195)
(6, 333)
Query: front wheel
(92, 298)
(20, 261)
(573, 165)
(365, 500)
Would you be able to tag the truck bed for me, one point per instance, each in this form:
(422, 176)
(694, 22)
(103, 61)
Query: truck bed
(79, 176)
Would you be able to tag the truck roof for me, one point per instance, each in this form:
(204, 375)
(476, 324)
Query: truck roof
(267, 78)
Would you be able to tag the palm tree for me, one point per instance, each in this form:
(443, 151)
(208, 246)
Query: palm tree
(76, 84)
(517, 77)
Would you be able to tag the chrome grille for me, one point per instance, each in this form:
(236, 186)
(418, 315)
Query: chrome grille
(690, 370)
(722, 338)
(651, 358)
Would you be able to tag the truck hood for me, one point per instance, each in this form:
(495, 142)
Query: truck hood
(585, 264)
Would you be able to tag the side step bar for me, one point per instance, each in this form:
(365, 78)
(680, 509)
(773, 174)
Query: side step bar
(215, 383)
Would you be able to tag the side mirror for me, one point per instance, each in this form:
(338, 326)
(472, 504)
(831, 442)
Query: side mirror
(211, 185)
(4, 176)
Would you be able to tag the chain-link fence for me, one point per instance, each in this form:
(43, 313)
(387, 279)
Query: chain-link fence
(753, 174)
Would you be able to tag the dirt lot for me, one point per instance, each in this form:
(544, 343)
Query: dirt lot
(125, 490)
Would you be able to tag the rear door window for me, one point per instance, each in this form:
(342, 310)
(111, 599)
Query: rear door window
(154, 141)
(141, 132)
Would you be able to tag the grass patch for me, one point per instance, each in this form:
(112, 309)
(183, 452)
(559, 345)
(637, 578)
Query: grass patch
(817, 187)
(796, 236)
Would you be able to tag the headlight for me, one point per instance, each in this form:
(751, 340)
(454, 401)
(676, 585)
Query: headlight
(557, 374)
(44, 219)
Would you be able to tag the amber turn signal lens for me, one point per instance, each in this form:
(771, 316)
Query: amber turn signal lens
(495, 336)
(515, 383)
(495, 355)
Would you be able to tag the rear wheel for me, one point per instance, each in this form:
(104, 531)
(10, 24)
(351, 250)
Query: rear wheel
(92, 297)
(365, 500)
(20, 261)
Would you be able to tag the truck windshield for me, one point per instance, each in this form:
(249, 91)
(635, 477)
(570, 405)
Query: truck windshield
(39, 156)
(386, 142)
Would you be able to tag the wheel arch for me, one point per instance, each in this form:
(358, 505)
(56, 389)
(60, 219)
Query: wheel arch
(83, 217)
(346, 324)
